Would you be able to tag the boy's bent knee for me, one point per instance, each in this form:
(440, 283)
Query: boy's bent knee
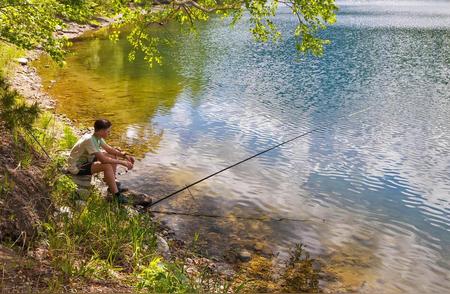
(101, 167)
(107, 166)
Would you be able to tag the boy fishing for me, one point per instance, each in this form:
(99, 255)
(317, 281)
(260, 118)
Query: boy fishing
(92, 155)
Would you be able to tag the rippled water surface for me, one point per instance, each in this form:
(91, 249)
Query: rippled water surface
(368, 193)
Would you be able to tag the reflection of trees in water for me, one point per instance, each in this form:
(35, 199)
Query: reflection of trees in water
(100, 81)
(138, 140)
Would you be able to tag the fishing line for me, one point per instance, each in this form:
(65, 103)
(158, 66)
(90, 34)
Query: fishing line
(263, 219)
(253, 156)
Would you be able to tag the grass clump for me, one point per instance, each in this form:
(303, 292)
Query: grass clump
(8, 53)
(6, 185)
(300, 274)
(160, 276)
(95, 236)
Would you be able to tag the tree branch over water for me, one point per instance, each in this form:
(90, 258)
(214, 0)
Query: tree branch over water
(32, 23)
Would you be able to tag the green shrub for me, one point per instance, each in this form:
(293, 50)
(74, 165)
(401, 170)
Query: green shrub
(161, 277)
(44, 130)
(14, 111)
(64, 190)
(68, 139)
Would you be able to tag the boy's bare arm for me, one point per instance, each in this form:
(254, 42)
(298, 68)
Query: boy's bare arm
(117, 152)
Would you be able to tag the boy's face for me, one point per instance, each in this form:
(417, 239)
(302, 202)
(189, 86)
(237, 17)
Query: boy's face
(104, 133)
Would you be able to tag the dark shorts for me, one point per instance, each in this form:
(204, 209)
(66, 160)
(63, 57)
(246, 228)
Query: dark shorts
(85, 168)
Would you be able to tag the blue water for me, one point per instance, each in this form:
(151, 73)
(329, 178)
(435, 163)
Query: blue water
(372, 189)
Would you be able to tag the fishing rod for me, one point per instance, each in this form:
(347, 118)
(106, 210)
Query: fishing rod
(39, 143)
(253, 156)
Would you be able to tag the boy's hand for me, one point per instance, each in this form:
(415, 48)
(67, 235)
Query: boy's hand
(129, 158)
(128, 164)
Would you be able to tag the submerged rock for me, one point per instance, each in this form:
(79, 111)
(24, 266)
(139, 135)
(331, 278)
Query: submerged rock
(138, 198)
(244, 255)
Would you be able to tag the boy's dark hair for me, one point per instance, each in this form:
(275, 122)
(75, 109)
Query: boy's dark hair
(102, 124)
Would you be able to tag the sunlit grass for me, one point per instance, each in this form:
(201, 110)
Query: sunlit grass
(8, 53)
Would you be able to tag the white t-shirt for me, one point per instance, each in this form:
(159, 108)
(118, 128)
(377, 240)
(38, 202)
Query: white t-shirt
(83, 152)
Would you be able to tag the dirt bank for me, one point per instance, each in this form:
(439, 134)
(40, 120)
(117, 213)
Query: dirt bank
(24, 201)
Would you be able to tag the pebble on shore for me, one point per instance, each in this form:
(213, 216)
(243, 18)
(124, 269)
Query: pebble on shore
(22, 60)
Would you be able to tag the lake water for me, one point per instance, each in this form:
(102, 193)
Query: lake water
(368, 193)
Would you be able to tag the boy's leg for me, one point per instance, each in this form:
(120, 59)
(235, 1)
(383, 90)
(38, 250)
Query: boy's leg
(114, 166)
(108, 171)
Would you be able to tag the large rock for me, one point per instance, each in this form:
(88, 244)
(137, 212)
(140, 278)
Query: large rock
(83, 182)
(138, 198)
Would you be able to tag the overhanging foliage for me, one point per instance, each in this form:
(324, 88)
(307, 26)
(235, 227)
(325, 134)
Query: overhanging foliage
(32, 23)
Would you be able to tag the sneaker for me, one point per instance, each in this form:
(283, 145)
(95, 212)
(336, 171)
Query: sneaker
(120, 198)
(121, 190)
(119, 186)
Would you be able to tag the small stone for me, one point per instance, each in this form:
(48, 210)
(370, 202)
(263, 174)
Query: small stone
(163, 247)
(259, 246)
(190, 270)
(22, 60)
(244, 255)
(316, 265)
(65, 210)
(225, 269)
(80, 203)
